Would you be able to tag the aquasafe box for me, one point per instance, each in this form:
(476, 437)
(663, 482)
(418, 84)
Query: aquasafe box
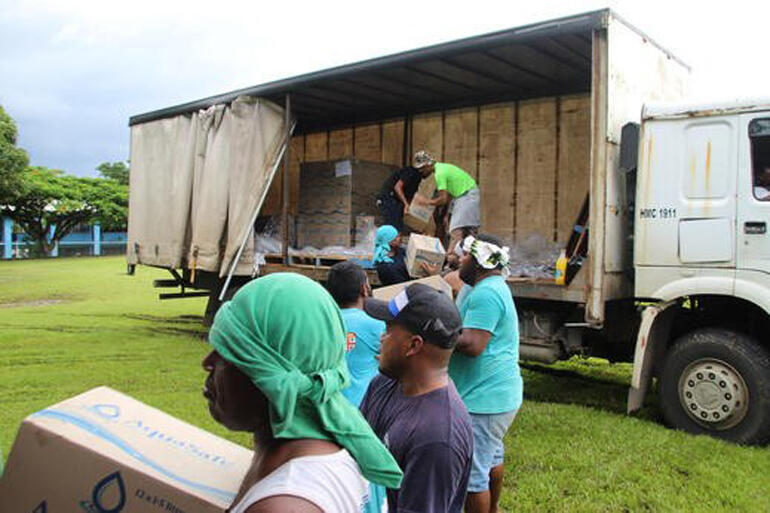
(103, 451)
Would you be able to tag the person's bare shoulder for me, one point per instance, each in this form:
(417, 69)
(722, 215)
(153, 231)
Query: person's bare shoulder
(283, 504)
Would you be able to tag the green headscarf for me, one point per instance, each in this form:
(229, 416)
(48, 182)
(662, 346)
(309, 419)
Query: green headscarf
(285, 332)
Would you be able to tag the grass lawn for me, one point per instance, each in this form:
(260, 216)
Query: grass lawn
(67, 325)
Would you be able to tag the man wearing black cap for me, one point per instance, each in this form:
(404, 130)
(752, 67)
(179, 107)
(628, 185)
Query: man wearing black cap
(414, 407)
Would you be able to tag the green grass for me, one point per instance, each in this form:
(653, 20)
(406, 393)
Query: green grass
(67, 325)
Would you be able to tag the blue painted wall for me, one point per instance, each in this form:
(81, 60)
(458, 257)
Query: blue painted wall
(92, 241)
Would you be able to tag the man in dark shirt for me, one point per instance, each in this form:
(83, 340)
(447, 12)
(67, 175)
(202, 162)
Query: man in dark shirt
(414, 407)
(396, 194)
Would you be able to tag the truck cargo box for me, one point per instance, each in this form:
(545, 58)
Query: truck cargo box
(533, 113)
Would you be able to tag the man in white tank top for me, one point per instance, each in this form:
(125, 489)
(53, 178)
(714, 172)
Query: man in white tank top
(277, 370)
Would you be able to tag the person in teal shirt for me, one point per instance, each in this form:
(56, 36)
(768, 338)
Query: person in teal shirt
(485, 365)
(349, 286)
(456, 188)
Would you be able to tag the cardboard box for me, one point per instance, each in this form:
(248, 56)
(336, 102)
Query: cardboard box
(422, 248)
(420, 217)
(103, 451)
(332, 194)
(389, 292)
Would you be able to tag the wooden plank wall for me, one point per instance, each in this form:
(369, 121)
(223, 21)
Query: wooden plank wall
(497, 166)
(428, 134)
(340, 143)
(530, 158)
(574, 155)
(367, 143)
(393, 142)
(536, 169)
(461, 139)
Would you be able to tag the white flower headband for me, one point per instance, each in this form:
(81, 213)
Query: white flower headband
(488, 255)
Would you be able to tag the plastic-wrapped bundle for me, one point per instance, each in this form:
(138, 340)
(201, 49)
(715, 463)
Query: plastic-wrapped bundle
(534, 257)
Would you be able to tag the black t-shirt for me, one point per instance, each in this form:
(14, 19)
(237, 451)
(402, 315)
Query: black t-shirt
(430, 437)
(411, 178)
(393, 272)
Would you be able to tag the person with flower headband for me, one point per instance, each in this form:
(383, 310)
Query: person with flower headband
(485, 364)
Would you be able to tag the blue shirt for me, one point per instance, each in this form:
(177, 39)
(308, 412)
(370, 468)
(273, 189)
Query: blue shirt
(491, 382)
(363, 344)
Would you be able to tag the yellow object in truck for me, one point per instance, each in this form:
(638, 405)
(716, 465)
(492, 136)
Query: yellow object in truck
(560, 274)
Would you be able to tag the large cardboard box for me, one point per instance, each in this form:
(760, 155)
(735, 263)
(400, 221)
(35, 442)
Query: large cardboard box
(423, 248)
(391, 291)
(331, 195)
(419, 217)
(103, 451)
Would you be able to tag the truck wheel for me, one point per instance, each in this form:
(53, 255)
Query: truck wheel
(717, 382)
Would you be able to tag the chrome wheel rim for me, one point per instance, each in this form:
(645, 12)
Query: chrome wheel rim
(713, 394)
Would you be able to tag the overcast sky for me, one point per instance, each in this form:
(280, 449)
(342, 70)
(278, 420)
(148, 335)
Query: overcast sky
(71, 73)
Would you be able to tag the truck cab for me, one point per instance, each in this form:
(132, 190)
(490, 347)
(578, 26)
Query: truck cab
(702, 265)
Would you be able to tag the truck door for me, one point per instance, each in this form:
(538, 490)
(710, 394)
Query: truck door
(753, 193)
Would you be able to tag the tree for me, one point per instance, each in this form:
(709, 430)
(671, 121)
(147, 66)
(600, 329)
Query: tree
(48, 198)
(13, 160)
(117, 171)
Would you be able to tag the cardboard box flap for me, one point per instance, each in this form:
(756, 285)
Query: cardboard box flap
(391, 291)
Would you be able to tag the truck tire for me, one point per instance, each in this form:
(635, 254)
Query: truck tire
(717, 382)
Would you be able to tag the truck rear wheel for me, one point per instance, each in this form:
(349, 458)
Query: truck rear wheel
(717, 382)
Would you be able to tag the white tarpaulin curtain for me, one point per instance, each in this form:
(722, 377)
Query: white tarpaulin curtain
(208, 212)
(206, 173)
(162, 157)
(258, 133)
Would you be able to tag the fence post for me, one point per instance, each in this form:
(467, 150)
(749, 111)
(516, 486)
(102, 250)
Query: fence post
(97, 239)
(55, 250)
(7, 237)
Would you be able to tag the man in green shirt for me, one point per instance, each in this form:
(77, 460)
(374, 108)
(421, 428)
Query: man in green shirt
(456, 188)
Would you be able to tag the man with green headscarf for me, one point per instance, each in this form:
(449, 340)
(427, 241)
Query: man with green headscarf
(277, 370)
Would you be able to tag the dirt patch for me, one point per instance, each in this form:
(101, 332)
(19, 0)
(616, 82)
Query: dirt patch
(36, 302)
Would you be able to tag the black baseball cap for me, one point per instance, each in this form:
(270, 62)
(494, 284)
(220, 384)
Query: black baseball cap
(423, 310)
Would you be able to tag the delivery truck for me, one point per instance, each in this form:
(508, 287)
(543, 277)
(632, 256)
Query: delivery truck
(578, 136)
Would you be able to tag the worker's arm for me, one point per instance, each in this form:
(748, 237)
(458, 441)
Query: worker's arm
(472, 342)
(399, 190)
(482, 311)
(442, 199)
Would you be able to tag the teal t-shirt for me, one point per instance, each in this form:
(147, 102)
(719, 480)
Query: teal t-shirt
(363, 344)
(491, 382)
(452, 179)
